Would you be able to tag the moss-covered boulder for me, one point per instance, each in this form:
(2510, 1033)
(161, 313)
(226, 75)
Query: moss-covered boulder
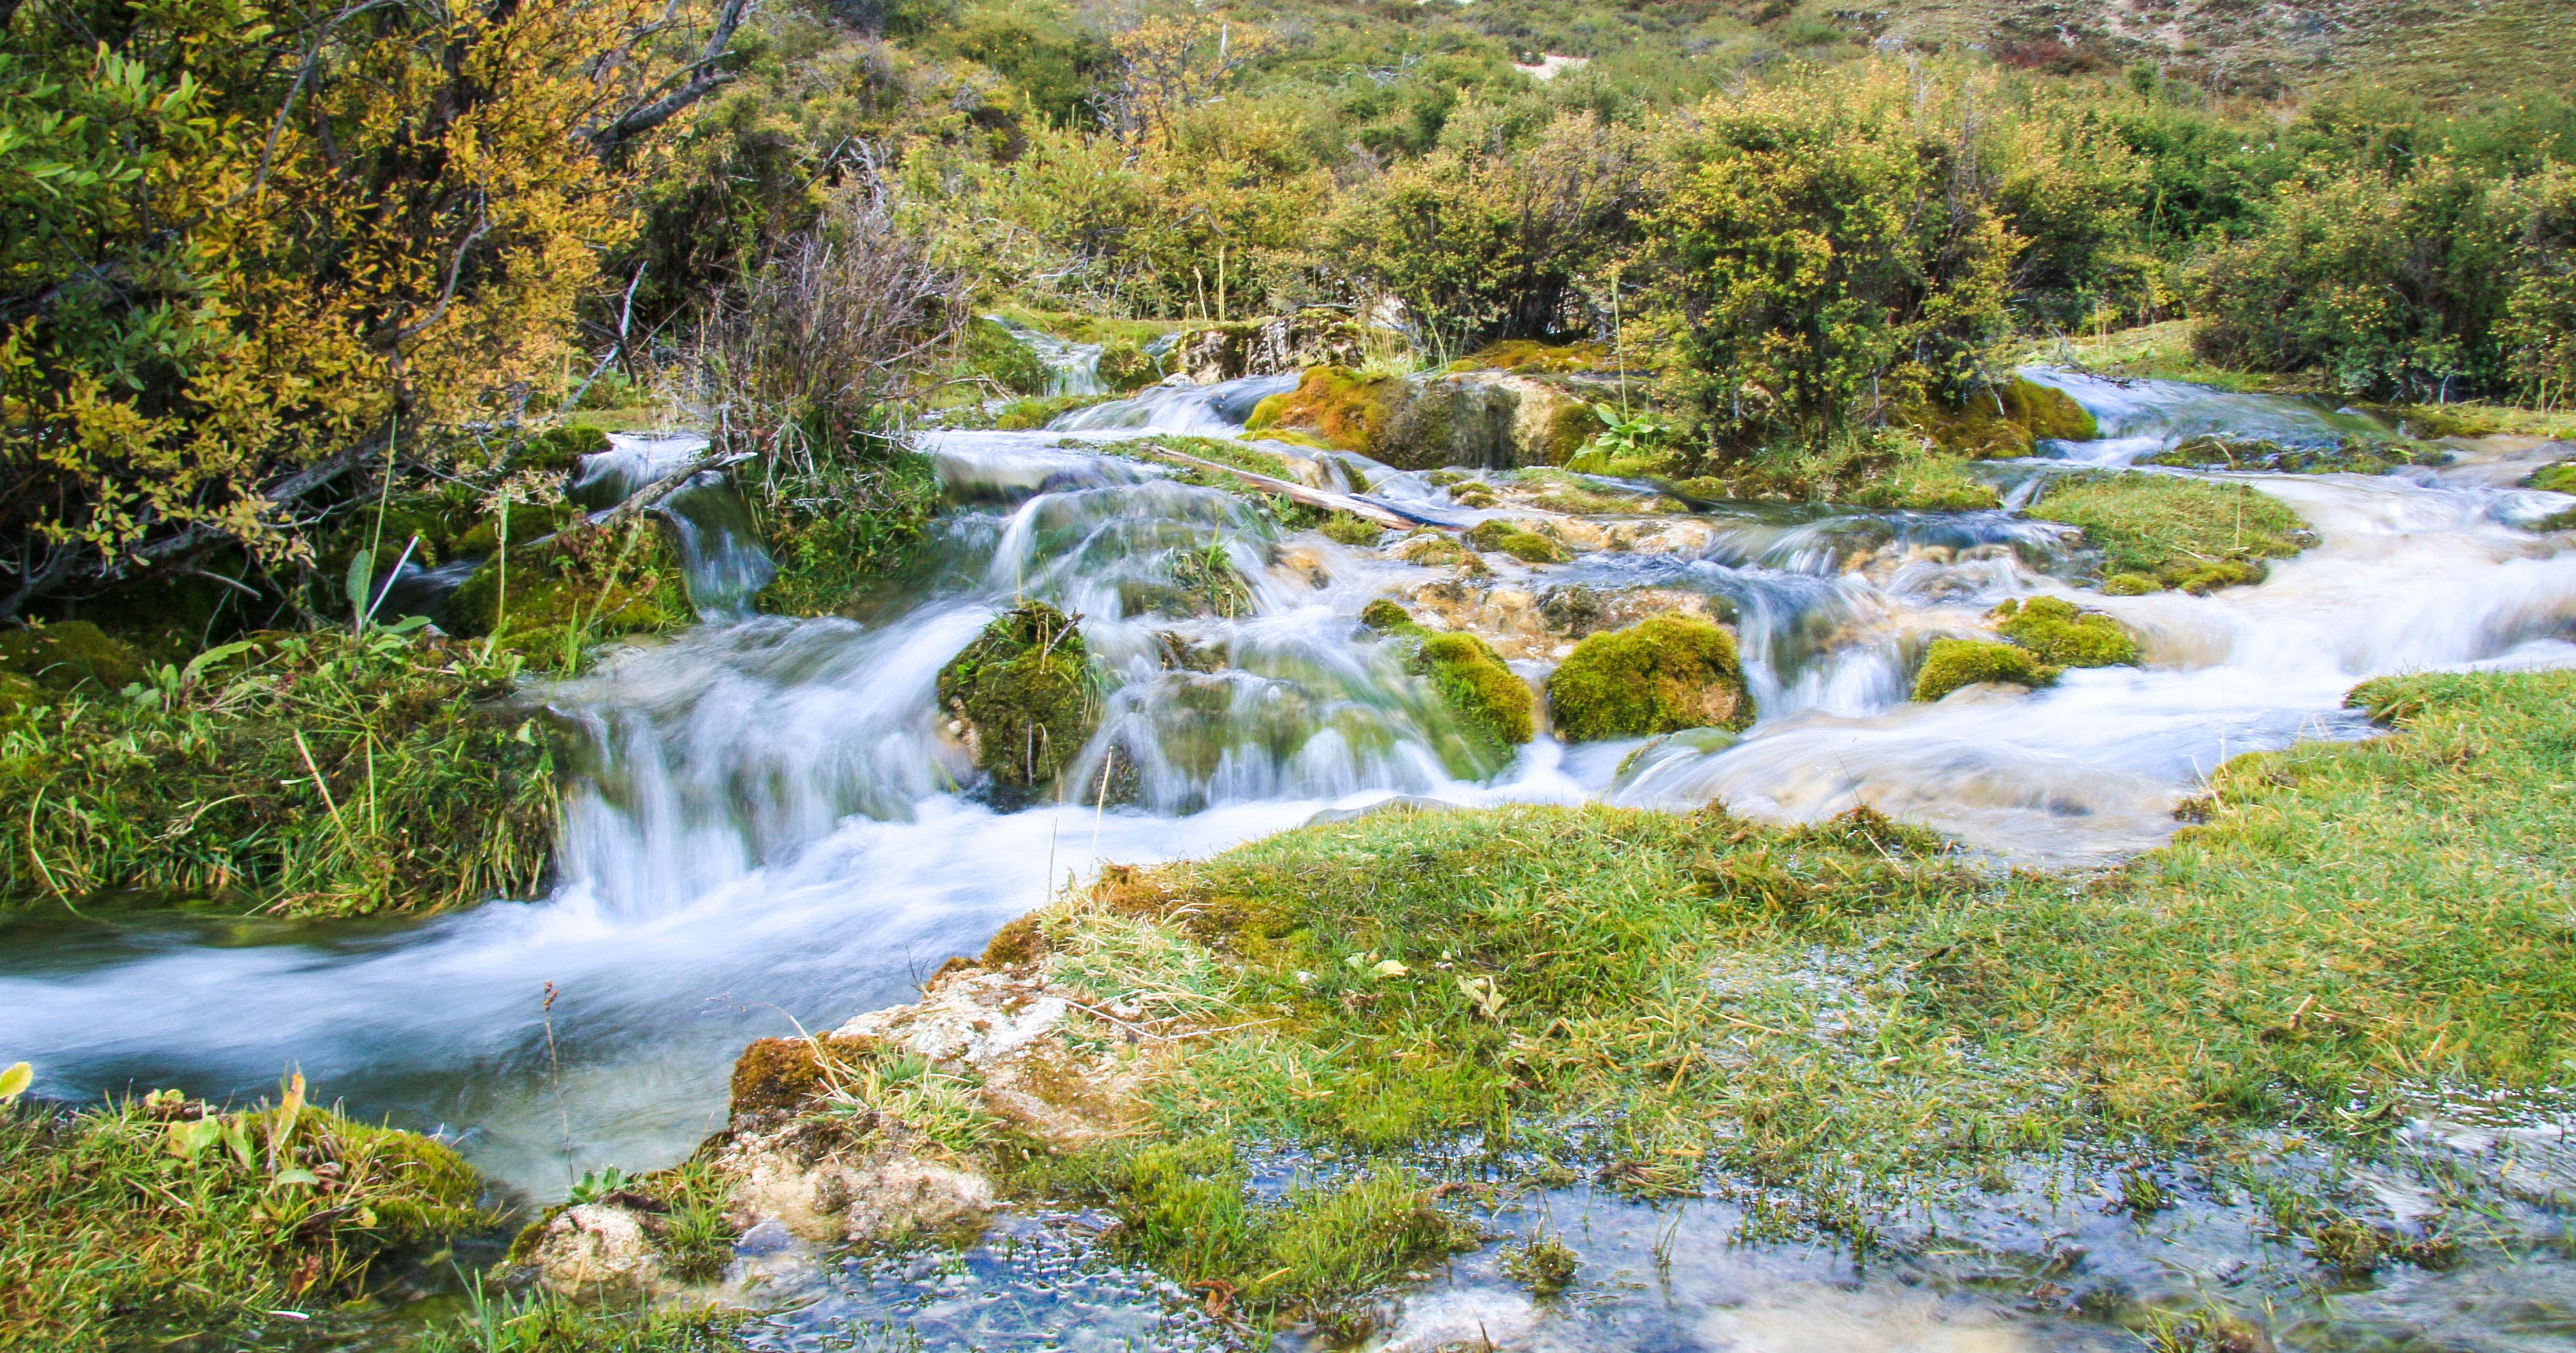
(1528, 356)
(1508, 537)
(1021, 696)
(1660, 675)
(1270, 346)
(1123, 366)
(558, 450)
(996, 354)
(1332, 406)
(1490, 698)
(2008, 419)
(69, 654)
(1956, 663)
(2558, 478)
(2057, 631)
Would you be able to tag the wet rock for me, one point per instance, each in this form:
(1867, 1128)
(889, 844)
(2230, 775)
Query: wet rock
(597, 1249)
(1512, 538)
(1518, 624)
(1658, 676)
(1020, 698)
(1269, 347)
(1332, 406)
(1483, 419)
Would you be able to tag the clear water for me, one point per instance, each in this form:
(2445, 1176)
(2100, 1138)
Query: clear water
(766, 831)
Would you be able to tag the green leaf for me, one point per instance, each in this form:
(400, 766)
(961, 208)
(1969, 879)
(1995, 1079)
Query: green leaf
(215, 655)
(15, 1080)
(295, 1175)
(362, 573)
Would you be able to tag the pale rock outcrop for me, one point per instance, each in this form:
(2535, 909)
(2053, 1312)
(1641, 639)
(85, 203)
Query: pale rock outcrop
(598, 1248)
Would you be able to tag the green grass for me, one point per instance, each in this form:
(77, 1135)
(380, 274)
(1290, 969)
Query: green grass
(2167, 531)
(146, 1220)
(307, 774)
(537, 1322)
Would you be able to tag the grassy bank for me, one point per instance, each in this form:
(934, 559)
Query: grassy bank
(146, 1222)
(306, 774)
(2161, 531)
(1822, 1022)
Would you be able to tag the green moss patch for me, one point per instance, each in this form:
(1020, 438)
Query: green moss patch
(551, 601)
(2352, 456)
(1660, 675)
(2056, 631)
(1518, 541)
(1335, 405)
(1125, 367)
(2174, 532)
(1490, 699)
(147, 1221)
(1956, 663)
(1525, 356)
(70, 655)
(306, 773)
(1023, 693)
(2008, 419)
(1884, 469)
(2558, 478)
(842, 532)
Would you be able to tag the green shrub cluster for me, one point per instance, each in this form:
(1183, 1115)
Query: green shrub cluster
(1660, 675)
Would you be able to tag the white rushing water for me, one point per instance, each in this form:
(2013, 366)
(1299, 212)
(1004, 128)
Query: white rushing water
(770, 828)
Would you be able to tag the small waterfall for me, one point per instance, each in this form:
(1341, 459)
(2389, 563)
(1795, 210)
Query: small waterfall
(1073, 368)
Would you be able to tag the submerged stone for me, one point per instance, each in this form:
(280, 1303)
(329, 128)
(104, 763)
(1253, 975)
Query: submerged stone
(1660, 675)
(1021, 697)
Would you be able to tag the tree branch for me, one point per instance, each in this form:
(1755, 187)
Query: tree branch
(706, 80)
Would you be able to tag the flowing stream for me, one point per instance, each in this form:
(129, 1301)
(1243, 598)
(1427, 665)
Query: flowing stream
(766, 829)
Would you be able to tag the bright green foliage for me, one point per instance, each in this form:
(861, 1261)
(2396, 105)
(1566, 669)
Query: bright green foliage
(1955, 663)
(311, 774)
(1345, 528)
(541, 1322)
(2558, 478)
(2180, 533)
(1023, 691)
(1660, 675)
(147, 1220)
(1831, 255)
(2054, 630)
(1518, 541)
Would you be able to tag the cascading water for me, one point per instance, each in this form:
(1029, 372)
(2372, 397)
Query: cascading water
(768, 827)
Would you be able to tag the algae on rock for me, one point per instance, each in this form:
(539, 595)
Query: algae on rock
(1956, 663)
(1518, 541)
(1489, 697)
(1021, 697)
(2057, 631)
(1661, 675)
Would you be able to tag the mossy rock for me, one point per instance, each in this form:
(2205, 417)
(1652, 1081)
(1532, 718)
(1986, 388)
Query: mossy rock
(1519, 542)
(1207, 583)
(18, 694)
(1451, 420)
(544, 599)
(1345, 528)
(1660, 675)
(1957, 663)
(529, 522)
(558, 450)
(2558, 478)
(1476, 682)
(1124, 366)
(1332, 406)
(1387, 617)
(69, 654)
(781, 1074)
(2004, 420)
(994, 353)
(1022, 690)
(2057, 631)
(1527, 356)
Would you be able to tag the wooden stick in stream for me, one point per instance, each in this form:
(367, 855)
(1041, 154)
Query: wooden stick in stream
(1330, 502)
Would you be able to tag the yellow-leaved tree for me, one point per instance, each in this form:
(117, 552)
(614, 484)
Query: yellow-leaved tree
(252, 247)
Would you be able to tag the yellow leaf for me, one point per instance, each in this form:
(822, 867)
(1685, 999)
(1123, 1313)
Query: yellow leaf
(15, 1080)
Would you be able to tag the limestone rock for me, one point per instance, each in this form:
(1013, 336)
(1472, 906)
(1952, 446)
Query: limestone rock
(597, 1248)
(1273, 346)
